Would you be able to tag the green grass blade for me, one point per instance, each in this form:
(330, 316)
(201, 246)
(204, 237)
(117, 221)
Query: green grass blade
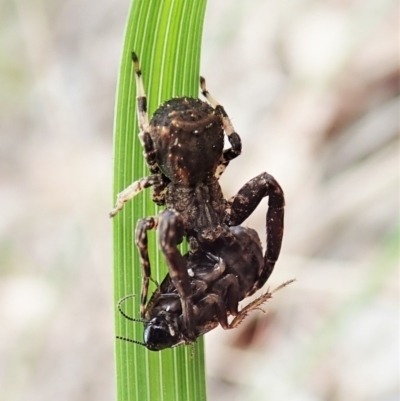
(166, 35)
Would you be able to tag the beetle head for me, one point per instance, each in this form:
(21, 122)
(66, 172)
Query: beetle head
(159, 333)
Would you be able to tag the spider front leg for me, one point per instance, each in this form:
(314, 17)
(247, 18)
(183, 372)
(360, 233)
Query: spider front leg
(144, 225)
(170, 232)
(234, 139)
(144, 134)
(155, 180)
(245, 202)
(170, 235)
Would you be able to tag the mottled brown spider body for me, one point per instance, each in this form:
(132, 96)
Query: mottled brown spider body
(202, 208)
(188, 138)
(183, 148)
(188, 141)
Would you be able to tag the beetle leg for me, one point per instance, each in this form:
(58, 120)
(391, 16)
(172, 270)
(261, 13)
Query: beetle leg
(217, 305)
(256, 304)
(170, 234)
(245, 202)
(206, 267)
(228, 289)
(143, 225)
(135, 188)
(223, 299)
(233, 137)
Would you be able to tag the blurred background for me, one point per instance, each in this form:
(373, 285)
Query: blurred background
(312, 88)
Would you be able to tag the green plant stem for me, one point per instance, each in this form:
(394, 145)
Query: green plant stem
(166, 35)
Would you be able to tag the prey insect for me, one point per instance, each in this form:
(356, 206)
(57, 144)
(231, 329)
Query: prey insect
(220, 277)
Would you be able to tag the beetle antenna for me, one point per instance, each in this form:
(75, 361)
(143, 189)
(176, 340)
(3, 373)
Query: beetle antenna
(129, 340)
(132, 319)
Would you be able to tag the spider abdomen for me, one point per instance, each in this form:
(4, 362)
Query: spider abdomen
(189, 137)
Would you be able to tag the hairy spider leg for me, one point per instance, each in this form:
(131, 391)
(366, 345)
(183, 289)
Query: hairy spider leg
(144, 134)
(135, 188)
(234, 139)
(143, 225)
(170, 234)
(242, 206)
(156, 179)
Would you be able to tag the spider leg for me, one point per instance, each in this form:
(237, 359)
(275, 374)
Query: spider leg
(245, 202)
(135, 188)
(144, 225)
(234, 139)
(144, 134)
(170, 235)
(159, 191)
